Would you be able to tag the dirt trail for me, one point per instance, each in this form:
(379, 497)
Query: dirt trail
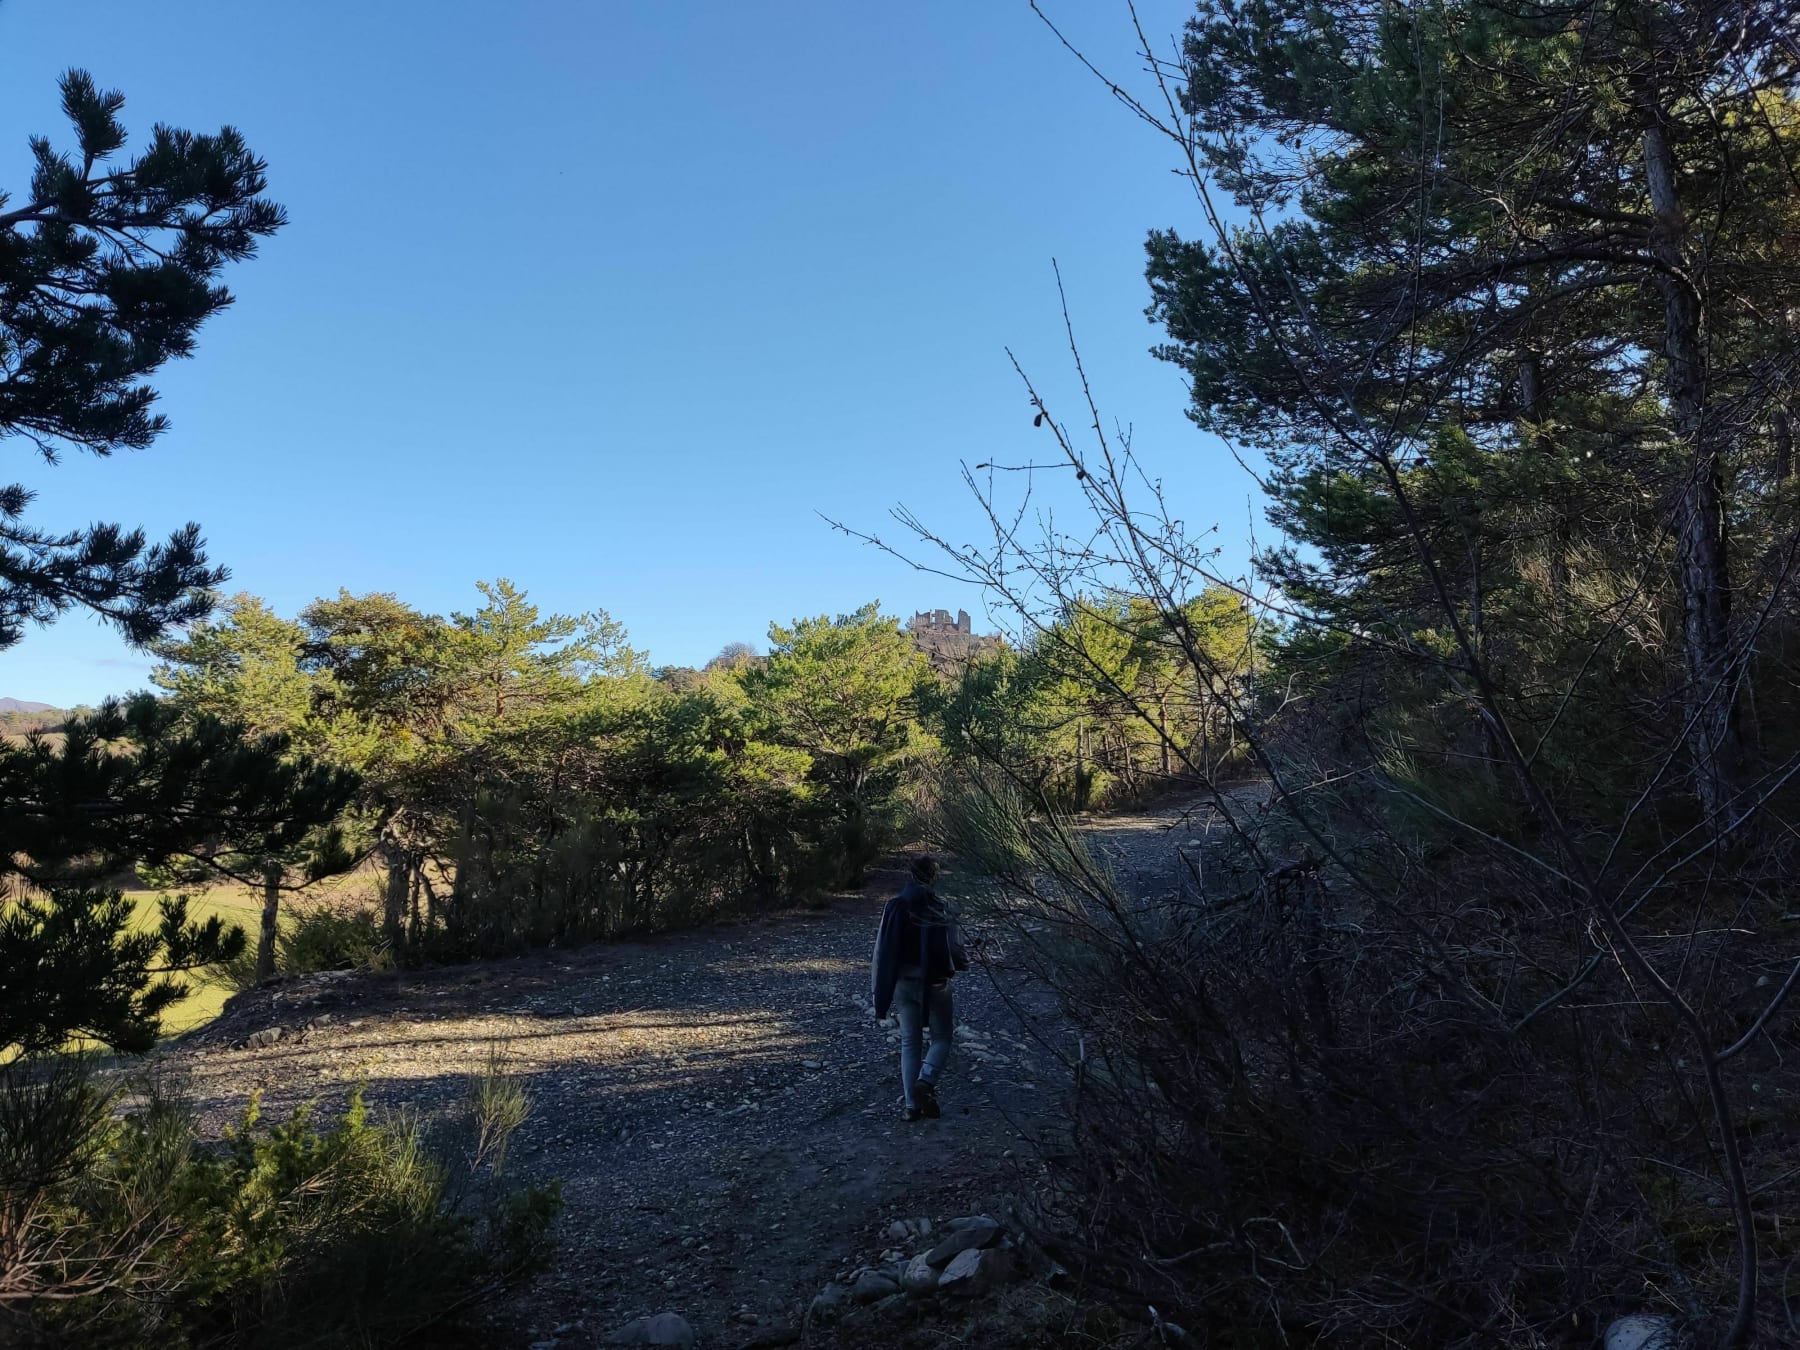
(720, 1105)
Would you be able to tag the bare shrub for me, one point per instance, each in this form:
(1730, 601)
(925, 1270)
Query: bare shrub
(1303, 1108)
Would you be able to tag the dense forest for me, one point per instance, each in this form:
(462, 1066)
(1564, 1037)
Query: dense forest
(1474, 1030)
(526, 779)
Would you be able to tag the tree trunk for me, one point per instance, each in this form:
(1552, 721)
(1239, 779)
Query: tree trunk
(1475, 615)
(271, 918)
(1562, 532)
(465, 849)
(1490, 743)
(1080, 766)
(431, 901)
(1700, 538)
(393, 917)
(415, 930)
(1781, 430)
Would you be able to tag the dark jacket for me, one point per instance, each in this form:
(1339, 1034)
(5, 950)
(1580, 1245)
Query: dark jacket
(918, 932)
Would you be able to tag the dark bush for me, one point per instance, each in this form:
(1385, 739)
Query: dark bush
(1302, 1109)
(130, 1230)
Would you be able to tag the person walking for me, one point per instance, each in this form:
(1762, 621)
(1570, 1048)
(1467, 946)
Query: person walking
(918, 951)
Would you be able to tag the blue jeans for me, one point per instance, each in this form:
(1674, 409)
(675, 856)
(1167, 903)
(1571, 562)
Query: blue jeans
(910, 1000)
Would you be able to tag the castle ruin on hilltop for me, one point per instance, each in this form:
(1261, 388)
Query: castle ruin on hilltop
(949, 643)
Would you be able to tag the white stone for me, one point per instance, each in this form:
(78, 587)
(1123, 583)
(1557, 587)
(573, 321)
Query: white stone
(975, 1270)
(1643, 1331)
(662, 1329)
(873, 1284)
(977, 1230)
(968, 1221)
(919, 1277)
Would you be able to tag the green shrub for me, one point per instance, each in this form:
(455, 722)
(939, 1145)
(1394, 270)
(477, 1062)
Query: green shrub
(175, 873)
(131, 1230)
(332, 936)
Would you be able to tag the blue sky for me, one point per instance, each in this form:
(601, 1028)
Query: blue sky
(616, 298)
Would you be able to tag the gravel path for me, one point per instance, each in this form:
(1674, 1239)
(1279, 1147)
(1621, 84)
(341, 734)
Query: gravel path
(720, 1105)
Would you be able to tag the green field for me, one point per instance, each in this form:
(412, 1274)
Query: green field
(233, 904)
(237, 904)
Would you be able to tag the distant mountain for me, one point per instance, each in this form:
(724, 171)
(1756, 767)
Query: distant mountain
(20, 705)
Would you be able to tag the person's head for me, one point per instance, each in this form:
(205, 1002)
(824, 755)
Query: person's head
(925, 870)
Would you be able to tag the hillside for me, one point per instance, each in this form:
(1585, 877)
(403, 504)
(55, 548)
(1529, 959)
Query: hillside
(18, 716)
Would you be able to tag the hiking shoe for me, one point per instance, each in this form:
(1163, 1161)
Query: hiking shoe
(910, 1113)
(928, 1102)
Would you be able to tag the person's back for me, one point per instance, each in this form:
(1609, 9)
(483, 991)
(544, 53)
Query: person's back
(917, 952)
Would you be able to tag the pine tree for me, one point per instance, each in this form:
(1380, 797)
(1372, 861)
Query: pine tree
(108, 270)
(134, 782)
(1519, 299)
(843, 690)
